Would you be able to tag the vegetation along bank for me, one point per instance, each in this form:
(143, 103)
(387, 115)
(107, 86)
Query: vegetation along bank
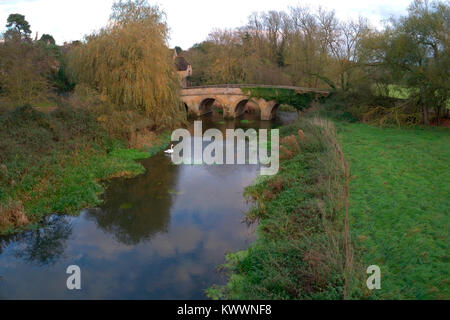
(69, 120)
(57, 162)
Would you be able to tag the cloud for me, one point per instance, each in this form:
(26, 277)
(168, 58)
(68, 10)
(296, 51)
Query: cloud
(190, 21)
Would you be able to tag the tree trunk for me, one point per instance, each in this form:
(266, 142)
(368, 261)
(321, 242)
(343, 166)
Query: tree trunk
(438, 115)
(425, 116)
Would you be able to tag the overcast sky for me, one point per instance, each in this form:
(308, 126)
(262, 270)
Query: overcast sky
(190, 20)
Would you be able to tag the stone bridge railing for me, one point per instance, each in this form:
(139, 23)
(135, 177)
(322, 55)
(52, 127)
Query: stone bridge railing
(299, 89)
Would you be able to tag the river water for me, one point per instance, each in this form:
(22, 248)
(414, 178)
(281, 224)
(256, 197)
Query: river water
(160, 235)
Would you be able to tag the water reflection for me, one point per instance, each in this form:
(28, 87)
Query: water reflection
(43, 246)
(158, 236)
(136, 209)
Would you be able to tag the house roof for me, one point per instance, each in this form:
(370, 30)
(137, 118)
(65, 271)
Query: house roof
(181, 63)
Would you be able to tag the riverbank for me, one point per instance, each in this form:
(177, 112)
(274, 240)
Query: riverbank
(57, 162)
(398, 216)
(301, 250)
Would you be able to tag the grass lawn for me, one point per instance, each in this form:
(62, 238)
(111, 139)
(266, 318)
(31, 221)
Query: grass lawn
(400, 206)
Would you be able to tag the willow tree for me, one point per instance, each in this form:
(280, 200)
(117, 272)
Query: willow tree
(129, 63)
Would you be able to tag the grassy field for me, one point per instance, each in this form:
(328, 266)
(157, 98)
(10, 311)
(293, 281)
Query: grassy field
(400, 92)
(400, 206)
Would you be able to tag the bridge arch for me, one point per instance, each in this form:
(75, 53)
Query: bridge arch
(273, 112)
(219, 101)
(253, 106)
(240, 107)
(206, 105)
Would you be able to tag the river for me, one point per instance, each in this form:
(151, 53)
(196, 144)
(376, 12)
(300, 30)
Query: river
(160, 235)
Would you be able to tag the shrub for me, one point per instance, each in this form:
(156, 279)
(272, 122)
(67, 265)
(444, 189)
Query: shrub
(12, 215)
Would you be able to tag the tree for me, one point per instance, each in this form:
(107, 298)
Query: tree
(18, 23)
(178, 50)
(47, 39)
(414, 52)
(301, 47)
(426, 68)
(129, 63)
(24, 72)
(344, 49)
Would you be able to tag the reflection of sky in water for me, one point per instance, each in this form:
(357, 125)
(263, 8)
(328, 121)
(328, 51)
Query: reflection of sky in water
(158, 236)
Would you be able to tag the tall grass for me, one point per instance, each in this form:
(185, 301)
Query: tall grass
(301, 248)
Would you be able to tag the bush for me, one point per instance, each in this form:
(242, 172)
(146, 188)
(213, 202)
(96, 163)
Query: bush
(127, 125)
(12, 215)
(25, 69)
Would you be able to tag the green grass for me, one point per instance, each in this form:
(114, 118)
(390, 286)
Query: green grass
(299, 250)
(394, 91)
(78, 183)
(400, 205)
(287, 108)
(45, 104)
(129, 154)
(398, 92)
(72, 183)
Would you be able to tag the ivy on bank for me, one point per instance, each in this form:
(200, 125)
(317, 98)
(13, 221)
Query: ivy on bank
(283, 96)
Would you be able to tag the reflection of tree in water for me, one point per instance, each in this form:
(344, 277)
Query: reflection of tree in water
(136, 209)
(43, 246)
(5, 241)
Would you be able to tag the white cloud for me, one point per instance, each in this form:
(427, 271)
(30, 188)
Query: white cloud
(190, 21)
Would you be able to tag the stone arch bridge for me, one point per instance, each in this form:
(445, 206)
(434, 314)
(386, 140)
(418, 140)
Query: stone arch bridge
(200, 100)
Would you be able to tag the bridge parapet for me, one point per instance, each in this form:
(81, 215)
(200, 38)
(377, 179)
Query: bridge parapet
(238, 86)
